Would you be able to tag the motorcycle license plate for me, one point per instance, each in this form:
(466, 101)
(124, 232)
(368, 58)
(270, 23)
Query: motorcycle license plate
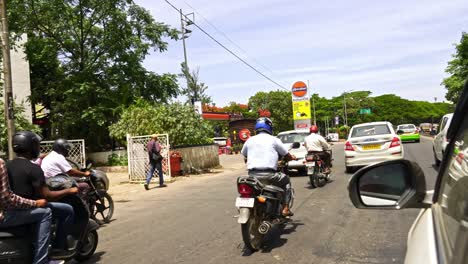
(310, 170)
(245, 202)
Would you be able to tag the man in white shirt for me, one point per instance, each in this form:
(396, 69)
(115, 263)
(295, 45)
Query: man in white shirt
(56, 163)
(315, 143)
(262, 152)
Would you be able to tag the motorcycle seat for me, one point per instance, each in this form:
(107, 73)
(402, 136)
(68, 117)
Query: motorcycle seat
(15, 231)
(272, 188)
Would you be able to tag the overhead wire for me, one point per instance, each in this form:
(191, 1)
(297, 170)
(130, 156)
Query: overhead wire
(231, 52)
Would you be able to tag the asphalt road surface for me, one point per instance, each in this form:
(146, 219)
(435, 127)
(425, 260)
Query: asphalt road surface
(192, 221)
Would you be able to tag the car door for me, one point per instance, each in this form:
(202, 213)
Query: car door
(440, 233)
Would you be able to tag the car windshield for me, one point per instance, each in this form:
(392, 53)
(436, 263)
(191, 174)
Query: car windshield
(370, 130)
(406, 127)
(294, 137)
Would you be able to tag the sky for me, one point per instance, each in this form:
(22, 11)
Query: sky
(386, 47)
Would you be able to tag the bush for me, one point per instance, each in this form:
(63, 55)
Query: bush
(117, 160)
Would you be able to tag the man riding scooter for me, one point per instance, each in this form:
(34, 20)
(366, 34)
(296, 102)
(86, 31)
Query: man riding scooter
(27, 180)
(262, 152)
(315, 143)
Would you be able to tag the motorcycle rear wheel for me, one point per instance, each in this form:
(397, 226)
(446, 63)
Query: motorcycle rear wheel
(318, 180)
(103, 209)
(88, 246)
(253, 240)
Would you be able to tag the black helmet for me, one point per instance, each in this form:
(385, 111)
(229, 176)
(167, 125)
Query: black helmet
(61, 146)
(27, 142)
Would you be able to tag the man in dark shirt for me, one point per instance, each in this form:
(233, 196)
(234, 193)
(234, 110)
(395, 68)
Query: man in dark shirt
(27, 180)
(155, 161)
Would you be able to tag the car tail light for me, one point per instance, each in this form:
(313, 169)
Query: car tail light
(395, 142)
(349, 146)
(245, 190)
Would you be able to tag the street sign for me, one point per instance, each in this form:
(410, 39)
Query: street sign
(301, 106)
(365, 111)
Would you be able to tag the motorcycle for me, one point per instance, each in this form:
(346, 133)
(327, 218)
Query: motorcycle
(16, 243)
(315, 169)
(98, 200)
(260, 208)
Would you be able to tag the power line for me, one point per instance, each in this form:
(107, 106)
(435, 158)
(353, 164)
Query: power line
(228, 38)
(231, 52)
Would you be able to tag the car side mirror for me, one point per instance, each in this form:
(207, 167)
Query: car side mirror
(400, 132)
(394, 184)
(296, 145)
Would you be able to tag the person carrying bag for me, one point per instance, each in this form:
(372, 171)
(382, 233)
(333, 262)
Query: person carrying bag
(155, 161)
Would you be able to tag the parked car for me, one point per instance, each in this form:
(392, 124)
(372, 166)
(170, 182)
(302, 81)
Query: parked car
(370, 143)
(440, 232)
(288, 138)
(410, 133)
(441, 141)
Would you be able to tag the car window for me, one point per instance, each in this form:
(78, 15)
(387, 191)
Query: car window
(370, 130)
(406, 127)
(453, 195)
(291, 138)
(443, 123)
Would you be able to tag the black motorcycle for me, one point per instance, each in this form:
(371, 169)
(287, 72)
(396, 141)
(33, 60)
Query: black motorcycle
(260, 208)
(316, 169)
(16, 243)
(99, 201)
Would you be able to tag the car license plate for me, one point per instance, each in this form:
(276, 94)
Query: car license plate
(371, 147)
(245, 202)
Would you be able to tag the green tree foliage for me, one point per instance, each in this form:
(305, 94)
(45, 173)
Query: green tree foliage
(86, 60)
(183, 125)
(458, 70)
(195, 91)
(279, 103)
(21, 123)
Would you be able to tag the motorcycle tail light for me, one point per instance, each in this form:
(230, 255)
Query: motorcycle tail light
(245, 190)
(395, 142)
(310, 158)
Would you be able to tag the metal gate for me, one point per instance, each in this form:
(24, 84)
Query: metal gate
(138, 161)
(76, 154)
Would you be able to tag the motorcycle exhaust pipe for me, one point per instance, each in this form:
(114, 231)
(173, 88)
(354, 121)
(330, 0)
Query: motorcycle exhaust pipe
(264, 227)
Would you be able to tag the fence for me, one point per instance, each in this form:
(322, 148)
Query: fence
(76, 153)
(197, 158)
(138, 162)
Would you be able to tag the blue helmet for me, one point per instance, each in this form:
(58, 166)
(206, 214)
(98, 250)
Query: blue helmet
(264, 124)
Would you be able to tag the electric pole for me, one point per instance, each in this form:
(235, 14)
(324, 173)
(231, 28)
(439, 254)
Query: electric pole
(313, 104)
(183, 23)
(8, 90)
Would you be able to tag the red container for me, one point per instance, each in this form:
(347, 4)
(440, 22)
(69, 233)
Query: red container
(176, 160)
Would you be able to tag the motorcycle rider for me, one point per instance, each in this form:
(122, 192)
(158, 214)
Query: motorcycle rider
(16, 211)
(56, 163)
(315, 143)
(262, 152)
(27, 180)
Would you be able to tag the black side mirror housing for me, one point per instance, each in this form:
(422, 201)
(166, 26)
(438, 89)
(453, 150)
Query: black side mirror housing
(394, 184)
(296, 145)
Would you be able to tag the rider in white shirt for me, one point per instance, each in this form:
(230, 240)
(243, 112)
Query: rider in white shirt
(315, 143)
(262, 152)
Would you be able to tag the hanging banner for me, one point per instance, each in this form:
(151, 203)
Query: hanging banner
(301, 106)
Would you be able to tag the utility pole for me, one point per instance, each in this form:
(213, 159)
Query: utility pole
(313, 104)
(8, 90)
(345, 113)
(183, 23)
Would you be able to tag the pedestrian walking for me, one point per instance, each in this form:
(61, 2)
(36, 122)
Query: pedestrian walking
(155, 160)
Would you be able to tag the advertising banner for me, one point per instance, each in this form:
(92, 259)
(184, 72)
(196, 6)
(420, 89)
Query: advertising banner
(301, 106)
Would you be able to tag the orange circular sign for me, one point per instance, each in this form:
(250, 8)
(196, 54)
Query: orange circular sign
(299, 89)
(244, 134)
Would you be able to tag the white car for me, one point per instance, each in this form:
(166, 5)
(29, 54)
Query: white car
(439, 235)
(440, 141)
(288, 138)
(369, 143)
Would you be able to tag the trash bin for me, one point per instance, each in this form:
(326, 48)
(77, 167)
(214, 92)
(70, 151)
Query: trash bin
(176, 160)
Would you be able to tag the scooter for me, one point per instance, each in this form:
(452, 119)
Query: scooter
(16, 243)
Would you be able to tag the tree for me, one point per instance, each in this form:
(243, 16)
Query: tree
(279, 103)
(86, 60)
(195, 90)
(458, 70)
(183, 125)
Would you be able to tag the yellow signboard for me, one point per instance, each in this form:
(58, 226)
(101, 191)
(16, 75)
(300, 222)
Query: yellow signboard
(301, 110)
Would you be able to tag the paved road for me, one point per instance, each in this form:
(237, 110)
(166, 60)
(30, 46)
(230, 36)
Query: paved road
(192, 221)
